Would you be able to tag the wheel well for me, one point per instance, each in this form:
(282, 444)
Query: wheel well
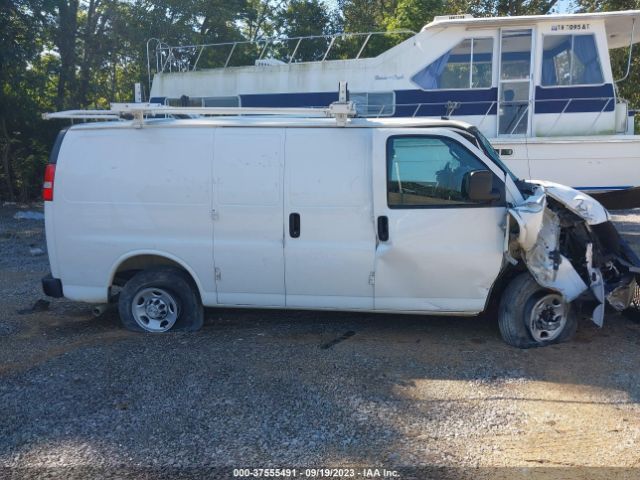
(129, 267)
(505, 277)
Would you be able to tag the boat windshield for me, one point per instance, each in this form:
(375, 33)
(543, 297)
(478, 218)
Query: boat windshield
(491, 152)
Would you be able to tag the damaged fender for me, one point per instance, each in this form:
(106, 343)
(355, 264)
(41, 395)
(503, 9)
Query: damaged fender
(539, 232)
(559, 246)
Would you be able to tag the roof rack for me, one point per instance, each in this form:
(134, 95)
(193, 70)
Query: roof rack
(341, 110)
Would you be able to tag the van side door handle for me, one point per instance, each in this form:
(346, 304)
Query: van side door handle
(383, 228)
(294, 225)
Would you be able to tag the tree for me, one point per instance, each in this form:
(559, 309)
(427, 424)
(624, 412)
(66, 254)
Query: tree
(511, 7)
(21, 26)
(365, 15)
(65, 35)
(303, 18)
(414, 14)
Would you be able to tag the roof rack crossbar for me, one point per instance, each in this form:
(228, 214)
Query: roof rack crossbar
(341, 111)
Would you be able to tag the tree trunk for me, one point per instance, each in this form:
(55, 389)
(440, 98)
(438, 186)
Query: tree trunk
(87, 53)
(6, 148)
(66, 42)
(114, 78)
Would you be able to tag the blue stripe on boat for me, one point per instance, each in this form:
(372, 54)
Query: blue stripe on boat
(591, 99)
(433, 103)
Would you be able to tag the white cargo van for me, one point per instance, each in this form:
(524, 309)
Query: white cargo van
(396, 215)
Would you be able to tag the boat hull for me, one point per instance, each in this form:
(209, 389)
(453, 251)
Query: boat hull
(592, 164)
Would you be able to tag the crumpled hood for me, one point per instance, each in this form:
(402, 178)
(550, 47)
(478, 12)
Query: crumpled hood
(580, 203)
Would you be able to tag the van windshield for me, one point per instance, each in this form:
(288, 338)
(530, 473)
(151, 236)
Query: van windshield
(491, 152)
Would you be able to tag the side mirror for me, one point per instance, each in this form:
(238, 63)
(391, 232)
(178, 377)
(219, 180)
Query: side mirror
(478, 185)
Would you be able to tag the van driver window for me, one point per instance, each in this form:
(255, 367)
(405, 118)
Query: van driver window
(570, 60)
(428, 172)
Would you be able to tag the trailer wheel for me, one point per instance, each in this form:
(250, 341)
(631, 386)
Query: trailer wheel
(160, 299)
(533, 316)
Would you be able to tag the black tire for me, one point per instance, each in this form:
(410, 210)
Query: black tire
(633, 310)
(177, 283)
(516, 305)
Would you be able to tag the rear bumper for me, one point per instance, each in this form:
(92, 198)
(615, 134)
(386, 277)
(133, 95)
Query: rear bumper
(52, 287)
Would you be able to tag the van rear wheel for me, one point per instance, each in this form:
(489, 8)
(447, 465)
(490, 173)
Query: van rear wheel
(533, 316)
(160, 299)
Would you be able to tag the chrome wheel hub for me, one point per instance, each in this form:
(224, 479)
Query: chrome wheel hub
(548, 317)
(155, 309)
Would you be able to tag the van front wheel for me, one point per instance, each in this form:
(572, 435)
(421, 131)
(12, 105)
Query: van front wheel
(532, 316)
(160, 299)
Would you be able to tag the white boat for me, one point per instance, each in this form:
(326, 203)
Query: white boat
(540, 87)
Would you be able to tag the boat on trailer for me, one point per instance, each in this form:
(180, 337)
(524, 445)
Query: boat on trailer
(540, 87)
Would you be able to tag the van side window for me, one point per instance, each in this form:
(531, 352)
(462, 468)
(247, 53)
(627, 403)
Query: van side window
(570, 60)
(467, 65)
(429, 171)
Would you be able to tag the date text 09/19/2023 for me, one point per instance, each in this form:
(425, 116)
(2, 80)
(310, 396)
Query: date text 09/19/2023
(315, 473)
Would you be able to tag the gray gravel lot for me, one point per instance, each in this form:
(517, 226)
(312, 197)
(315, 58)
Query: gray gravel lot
(271, 388)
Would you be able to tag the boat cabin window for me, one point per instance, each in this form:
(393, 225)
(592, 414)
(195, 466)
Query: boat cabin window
(203, 101)
(514, 85)
(467, 65)
(221, 102)
(373, 104)
(570, 60)
(515, 61)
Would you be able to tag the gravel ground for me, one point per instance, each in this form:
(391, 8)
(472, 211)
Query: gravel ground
(81, 397)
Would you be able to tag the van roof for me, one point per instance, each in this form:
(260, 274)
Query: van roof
(279, 121)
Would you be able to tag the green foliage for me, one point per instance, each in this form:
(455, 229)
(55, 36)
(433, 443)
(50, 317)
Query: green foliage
(415, 14)
(509, 7)
(304, 18)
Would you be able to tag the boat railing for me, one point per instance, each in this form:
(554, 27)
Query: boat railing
(271, 51)
(449, 109)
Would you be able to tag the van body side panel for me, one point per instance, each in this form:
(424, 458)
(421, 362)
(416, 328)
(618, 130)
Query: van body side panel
(119, 191)
(328, 184)
(248, 171)
(437, 258)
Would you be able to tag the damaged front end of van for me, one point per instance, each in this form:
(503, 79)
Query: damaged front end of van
(569, 245)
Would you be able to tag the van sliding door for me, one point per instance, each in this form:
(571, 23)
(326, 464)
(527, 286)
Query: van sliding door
(248, 169)
(329, 231)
